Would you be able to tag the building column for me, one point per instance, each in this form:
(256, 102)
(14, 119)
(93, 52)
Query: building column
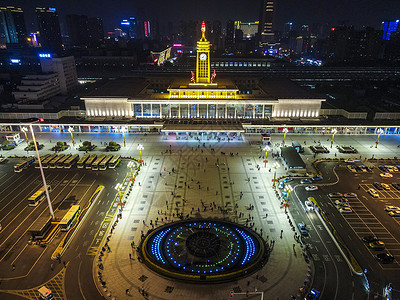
(179, 111)
(235, 110)
(160, 112)
(263, 112)
(207, 111)
(226, 110)
(254, 111)
(151, 110)
(216, 111)
(169, 110)
(198, 109)
(141, 105)
(188, 111)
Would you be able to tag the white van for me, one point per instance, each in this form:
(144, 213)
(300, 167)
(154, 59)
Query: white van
(45, 293)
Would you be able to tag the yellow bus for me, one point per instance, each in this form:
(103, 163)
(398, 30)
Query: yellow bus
(45, 162)
(71, 161)
(38, 196)
(81, 163)
(114, 161)
(53, 162)
(42, 159)
(24, 164)
(90, 161)
(104, 163)
(95, 165)
(70, 217)
(60, 163)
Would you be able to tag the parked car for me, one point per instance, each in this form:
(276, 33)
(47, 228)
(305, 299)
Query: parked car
(281, 185)
(369, 239)
(305, 180)
(382, 168)
(335, 195)
(385, 258)
(385, 186)
(312, 295)
(373, 193)
(386, 175)
(391, 208)
(302, 228)
(378, 185)
(317, 178)
(311, 188)
(377, 245)
(3, 160)
(345, 209)
(394, 213)
(340, 202)
(396, 185)
(309, 205)
(287, 179)
(350, 195)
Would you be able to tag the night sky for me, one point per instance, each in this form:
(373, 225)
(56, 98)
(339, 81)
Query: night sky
(356, 12)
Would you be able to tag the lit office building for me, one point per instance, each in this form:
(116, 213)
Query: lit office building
(202, 95)
(249, 29)
(388, 27)
(12, 25)
(265, 28)
(49, 28)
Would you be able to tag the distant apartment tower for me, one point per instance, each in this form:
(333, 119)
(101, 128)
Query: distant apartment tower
(249, 29)
(230, 33)
(129, 26)
(388, 27)
(77, 26)
(66, 70)
(49, 28)
(95, 32)
(265, 28)
(12, 25)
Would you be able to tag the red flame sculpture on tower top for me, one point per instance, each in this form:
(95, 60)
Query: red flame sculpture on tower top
(203, 27)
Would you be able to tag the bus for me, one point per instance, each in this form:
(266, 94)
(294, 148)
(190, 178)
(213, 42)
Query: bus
(60, 163)
(104, 163)
(90, 161)
(45, 162)
(24, 164)
(54, 161)
(82, 161)
(38, 196)
(70, 217)
(114, 161)
(95, 165)
(14, 138)
(71, 161)
(296, 145)
(42, 158)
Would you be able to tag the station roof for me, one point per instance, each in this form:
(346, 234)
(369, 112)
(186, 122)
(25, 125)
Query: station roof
(292, 158)
(129, 87)
(284, 89)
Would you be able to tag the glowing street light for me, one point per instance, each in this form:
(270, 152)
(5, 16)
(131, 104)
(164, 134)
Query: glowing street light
(333, 135)
(131, 164)
(140, 148)
(24, 130)
(71, 130)
(266, 149)
(288, 189)
(276, 165)
(379, 132)
(123, 130)
(118, 187)
(285, 130)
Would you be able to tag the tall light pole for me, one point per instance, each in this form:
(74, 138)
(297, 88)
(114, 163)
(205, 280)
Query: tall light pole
(118, 187)
(131, 164)
(24, 130)
(276, 165)
(266, 149)
(42, 173)
(140, 148)
(288, 189)
(123, 130)
(285, 130)
(379, 132)
(333, 135)
(71, 130)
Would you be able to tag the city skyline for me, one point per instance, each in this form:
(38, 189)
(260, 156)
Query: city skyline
(368, 14)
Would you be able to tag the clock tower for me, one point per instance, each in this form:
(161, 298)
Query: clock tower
(203, 58)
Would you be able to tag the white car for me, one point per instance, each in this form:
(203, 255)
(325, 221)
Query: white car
(373, 193)
(386, 175)
(311, 188)
(345, 209)
(309, 205)
(391, 208)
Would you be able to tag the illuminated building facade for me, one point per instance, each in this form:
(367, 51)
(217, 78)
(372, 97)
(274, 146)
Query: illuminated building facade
(265, 28)
(203, 96)
(12, 25)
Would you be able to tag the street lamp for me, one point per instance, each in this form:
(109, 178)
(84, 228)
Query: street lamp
(379, 132)
(131, 164)
(276, 165)
(266, 149)
(333, 135)
(288, 189)
(118, 187)
(24, 130)
(123, 130)
(42, 173)
(71, 130)
(285, 130)
(140, 148)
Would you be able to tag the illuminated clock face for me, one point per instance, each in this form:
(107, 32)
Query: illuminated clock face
(203, 56)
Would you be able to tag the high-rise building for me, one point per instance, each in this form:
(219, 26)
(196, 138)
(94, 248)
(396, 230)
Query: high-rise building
(12, 25)
(388, 27)
(49, 28)
(249, 29)
(95, 32)
(230, 33)
(265, 29)
(287, 27)
(129, 26)
(77, 26)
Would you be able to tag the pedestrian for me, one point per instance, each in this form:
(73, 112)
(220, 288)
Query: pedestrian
(127, 291)
(266, 215)
(13, 267)
(130, 256)
(52, 267)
